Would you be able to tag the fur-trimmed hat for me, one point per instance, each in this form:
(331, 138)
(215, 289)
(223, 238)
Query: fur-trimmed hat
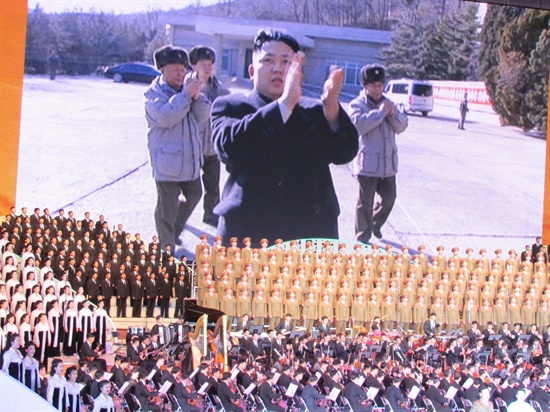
(170, 55)
(372, 73)
(200, 52)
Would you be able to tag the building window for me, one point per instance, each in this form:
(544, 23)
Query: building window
(227, 61)
(352, 71)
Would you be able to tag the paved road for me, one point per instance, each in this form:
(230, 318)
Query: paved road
(83, 147)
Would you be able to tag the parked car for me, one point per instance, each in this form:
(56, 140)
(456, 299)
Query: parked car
(132, 72)
(411, 95)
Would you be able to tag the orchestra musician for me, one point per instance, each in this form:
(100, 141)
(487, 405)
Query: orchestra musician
(145, 393)
(227, 396)
(355, 394)
(431, 325)
(395, 397)
(310, 395)
(184, 392)
(269, 397)
(93, 355)
(435, 396)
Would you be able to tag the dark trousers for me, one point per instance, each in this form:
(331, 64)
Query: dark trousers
(164, 304)
(107, 307)
(365, 220)
(179, 307)
(211, 183)
(171, 214)
(150, 307)
(136, 308)
(121, 307)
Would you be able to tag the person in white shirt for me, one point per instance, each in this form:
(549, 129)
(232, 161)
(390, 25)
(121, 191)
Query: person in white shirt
(25, 331)
(70, 325)
(56, 393)
(56, 327)
(104, 402)
(99, 323)
(9, 268)
(520, 405)
(42, 338)
(13, 358)
(34, 297)
(31, 378)
(10, 326)
(30, 283)
(73, 389)
(48, 281)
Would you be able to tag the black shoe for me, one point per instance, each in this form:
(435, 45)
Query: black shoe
(376, 232)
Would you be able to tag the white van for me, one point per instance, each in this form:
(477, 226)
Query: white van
(411, 95)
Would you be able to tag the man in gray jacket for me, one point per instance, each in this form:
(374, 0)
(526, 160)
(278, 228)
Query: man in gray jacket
(377, 120)
(174, 112)
(202, 60)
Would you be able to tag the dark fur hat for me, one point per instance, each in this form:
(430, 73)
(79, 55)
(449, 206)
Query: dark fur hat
(200, 52)
(372, 73)
(171, 55)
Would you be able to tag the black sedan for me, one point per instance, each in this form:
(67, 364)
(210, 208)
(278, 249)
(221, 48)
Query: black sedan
(132, 72)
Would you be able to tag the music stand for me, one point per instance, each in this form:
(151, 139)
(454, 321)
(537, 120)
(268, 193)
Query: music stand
(256, 329)
(375, 348)
(480, 355)
(524, 337)
(296, 334)
(456, 332)
(204, 388)
(315, 334)
(494, 337)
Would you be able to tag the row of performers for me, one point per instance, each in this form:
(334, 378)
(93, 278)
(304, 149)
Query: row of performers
(54, 333)
(361, 384)
(359, 310)
(352, 273)
(332, 252)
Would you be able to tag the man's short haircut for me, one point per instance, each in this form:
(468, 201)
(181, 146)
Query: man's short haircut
(267, 35)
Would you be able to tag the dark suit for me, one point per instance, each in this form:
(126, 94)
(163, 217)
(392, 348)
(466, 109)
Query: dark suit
(182, 395)
(543, 398)
(123, 291)
(225, 394)
(137, 298)
(267, 394)
(433, 394)
(279, 181)
(309, 395)
(430, 329)
(353, 393)
(165, 293)
(394, 395)
(151, 293)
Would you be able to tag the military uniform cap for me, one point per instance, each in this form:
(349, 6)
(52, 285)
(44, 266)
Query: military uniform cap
(201, 52)
(217, 238)
(421, 247)
(498, 251)
(482, 250)
(246, 239)
(372, 73)
(440, 248)
(293, 242)
(357, 246)
(374, 246)
(264, 240)
(469, 250)
(278, 241)
(170, 55)
(233, 239)
(455, 249)
(204, 236)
